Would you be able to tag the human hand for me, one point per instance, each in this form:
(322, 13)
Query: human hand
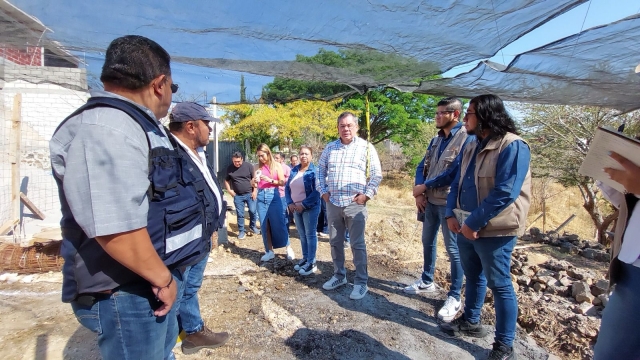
(361, 199)
(254, 194)
(453, 225)
(232, 193)
(627, 177)
(166, 295)
(421, 202)
(419, 190)
(326, 196)
(468, 233)
(265, 178)
(292, 208)
(299, 208)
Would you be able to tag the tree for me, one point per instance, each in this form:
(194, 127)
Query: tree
(560, 137)
(282, 125)
(394, 115)
(243, 90)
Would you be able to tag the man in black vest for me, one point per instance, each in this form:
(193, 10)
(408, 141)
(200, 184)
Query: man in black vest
(113, 276)
(189, 124)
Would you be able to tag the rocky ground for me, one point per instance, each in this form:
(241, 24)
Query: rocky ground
(272, 312)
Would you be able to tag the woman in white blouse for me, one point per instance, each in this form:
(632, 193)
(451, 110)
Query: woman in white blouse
(619, 336)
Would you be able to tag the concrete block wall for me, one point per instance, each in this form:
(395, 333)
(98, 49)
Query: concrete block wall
(44, 106)
(70, 78)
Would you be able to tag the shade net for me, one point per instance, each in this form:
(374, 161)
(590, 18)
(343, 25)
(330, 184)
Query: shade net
(594, 67)
(295, 49)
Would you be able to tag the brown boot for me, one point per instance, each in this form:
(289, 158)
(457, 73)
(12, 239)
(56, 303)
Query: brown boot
(202, 340)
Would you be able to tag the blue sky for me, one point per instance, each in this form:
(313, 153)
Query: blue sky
(93, 24)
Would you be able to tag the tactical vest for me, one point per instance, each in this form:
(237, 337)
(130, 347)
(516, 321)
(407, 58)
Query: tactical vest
(178, 223)
(214, 217)
(434, 165)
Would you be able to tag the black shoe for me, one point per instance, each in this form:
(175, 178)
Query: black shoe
(501, 352)
(461, 327)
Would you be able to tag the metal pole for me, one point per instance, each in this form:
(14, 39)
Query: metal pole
(216, 161)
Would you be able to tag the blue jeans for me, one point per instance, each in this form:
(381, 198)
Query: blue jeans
(619, 337)
(323, 224)
(238, 202)
(434, 219)
(272, 225)
(487, 262)
(306, 223)
(126, 326)
(188, 310)
(284, 208)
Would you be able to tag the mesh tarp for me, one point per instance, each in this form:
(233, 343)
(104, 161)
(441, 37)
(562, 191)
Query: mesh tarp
(382, 43)
(595, 67)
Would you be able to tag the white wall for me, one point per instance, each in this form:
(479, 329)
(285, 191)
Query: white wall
(44, 106)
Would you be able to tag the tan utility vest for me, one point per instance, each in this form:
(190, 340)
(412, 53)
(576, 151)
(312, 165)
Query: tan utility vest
(434, 166)
(512, 220)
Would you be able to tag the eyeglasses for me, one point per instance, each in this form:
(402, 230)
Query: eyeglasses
(440, 113)
(174, 88)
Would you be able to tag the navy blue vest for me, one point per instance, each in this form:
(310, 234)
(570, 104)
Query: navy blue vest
(180, 220)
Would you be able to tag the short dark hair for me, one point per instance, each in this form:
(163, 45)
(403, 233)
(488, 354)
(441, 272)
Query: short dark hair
(237, 155)
(452, 103)
(176, 126)
(133, 61)
(294, 155)
(492, 115)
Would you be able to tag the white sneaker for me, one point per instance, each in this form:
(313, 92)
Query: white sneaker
(322, 235)
(268, 256)
(308, 269)
(450, 309)
(359, 291)
(420, 287)
(334, 283)
(290, 255)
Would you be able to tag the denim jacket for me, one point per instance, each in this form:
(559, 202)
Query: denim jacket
(309, 180)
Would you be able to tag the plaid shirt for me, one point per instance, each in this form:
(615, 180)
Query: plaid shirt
(342, 171)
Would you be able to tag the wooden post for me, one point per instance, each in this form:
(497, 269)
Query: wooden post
(16, 132)
(544, 214)
(565, 223)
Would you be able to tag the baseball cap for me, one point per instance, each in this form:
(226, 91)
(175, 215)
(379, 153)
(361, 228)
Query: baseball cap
(188, 111)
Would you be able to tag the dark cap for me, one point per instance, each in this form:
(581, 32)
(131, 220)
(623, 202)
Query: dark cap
(188, 111)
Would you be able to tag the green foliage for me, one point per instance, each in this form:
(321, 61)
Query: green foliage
(394, 115)
(416, 145)
(282, 125)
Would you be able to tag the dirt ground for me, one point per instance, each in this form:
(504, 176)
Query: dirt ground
(272, 312)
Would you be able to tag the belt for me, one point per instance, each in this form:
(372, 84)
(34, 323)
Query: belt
(89, 299)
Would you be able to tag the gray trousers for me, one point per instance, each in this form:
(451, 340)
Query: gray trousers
(353, 217)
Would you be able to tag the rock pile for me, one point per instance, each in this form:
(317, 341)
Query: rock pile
(570, 243)
(560, 304)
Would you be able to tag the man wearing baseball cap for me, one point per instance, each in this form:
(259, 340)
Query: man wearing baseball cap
(189, 125)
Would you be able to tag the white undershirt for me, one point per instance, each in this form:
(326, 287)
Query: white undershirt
(201, 160)
(630, 250)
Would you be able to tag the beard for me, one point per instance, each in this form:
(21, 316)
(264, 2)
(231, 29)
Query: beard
(445, 125)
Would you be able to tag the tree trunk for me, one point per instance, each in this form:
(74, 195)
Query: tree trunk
(602, 231)
(589, 197)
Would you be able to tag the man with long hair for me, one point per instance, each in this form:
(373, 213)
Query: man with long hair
(488, 206)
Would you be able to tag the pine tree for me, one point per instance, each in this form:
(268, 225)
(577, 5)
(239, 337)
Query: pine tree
(243, 90)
